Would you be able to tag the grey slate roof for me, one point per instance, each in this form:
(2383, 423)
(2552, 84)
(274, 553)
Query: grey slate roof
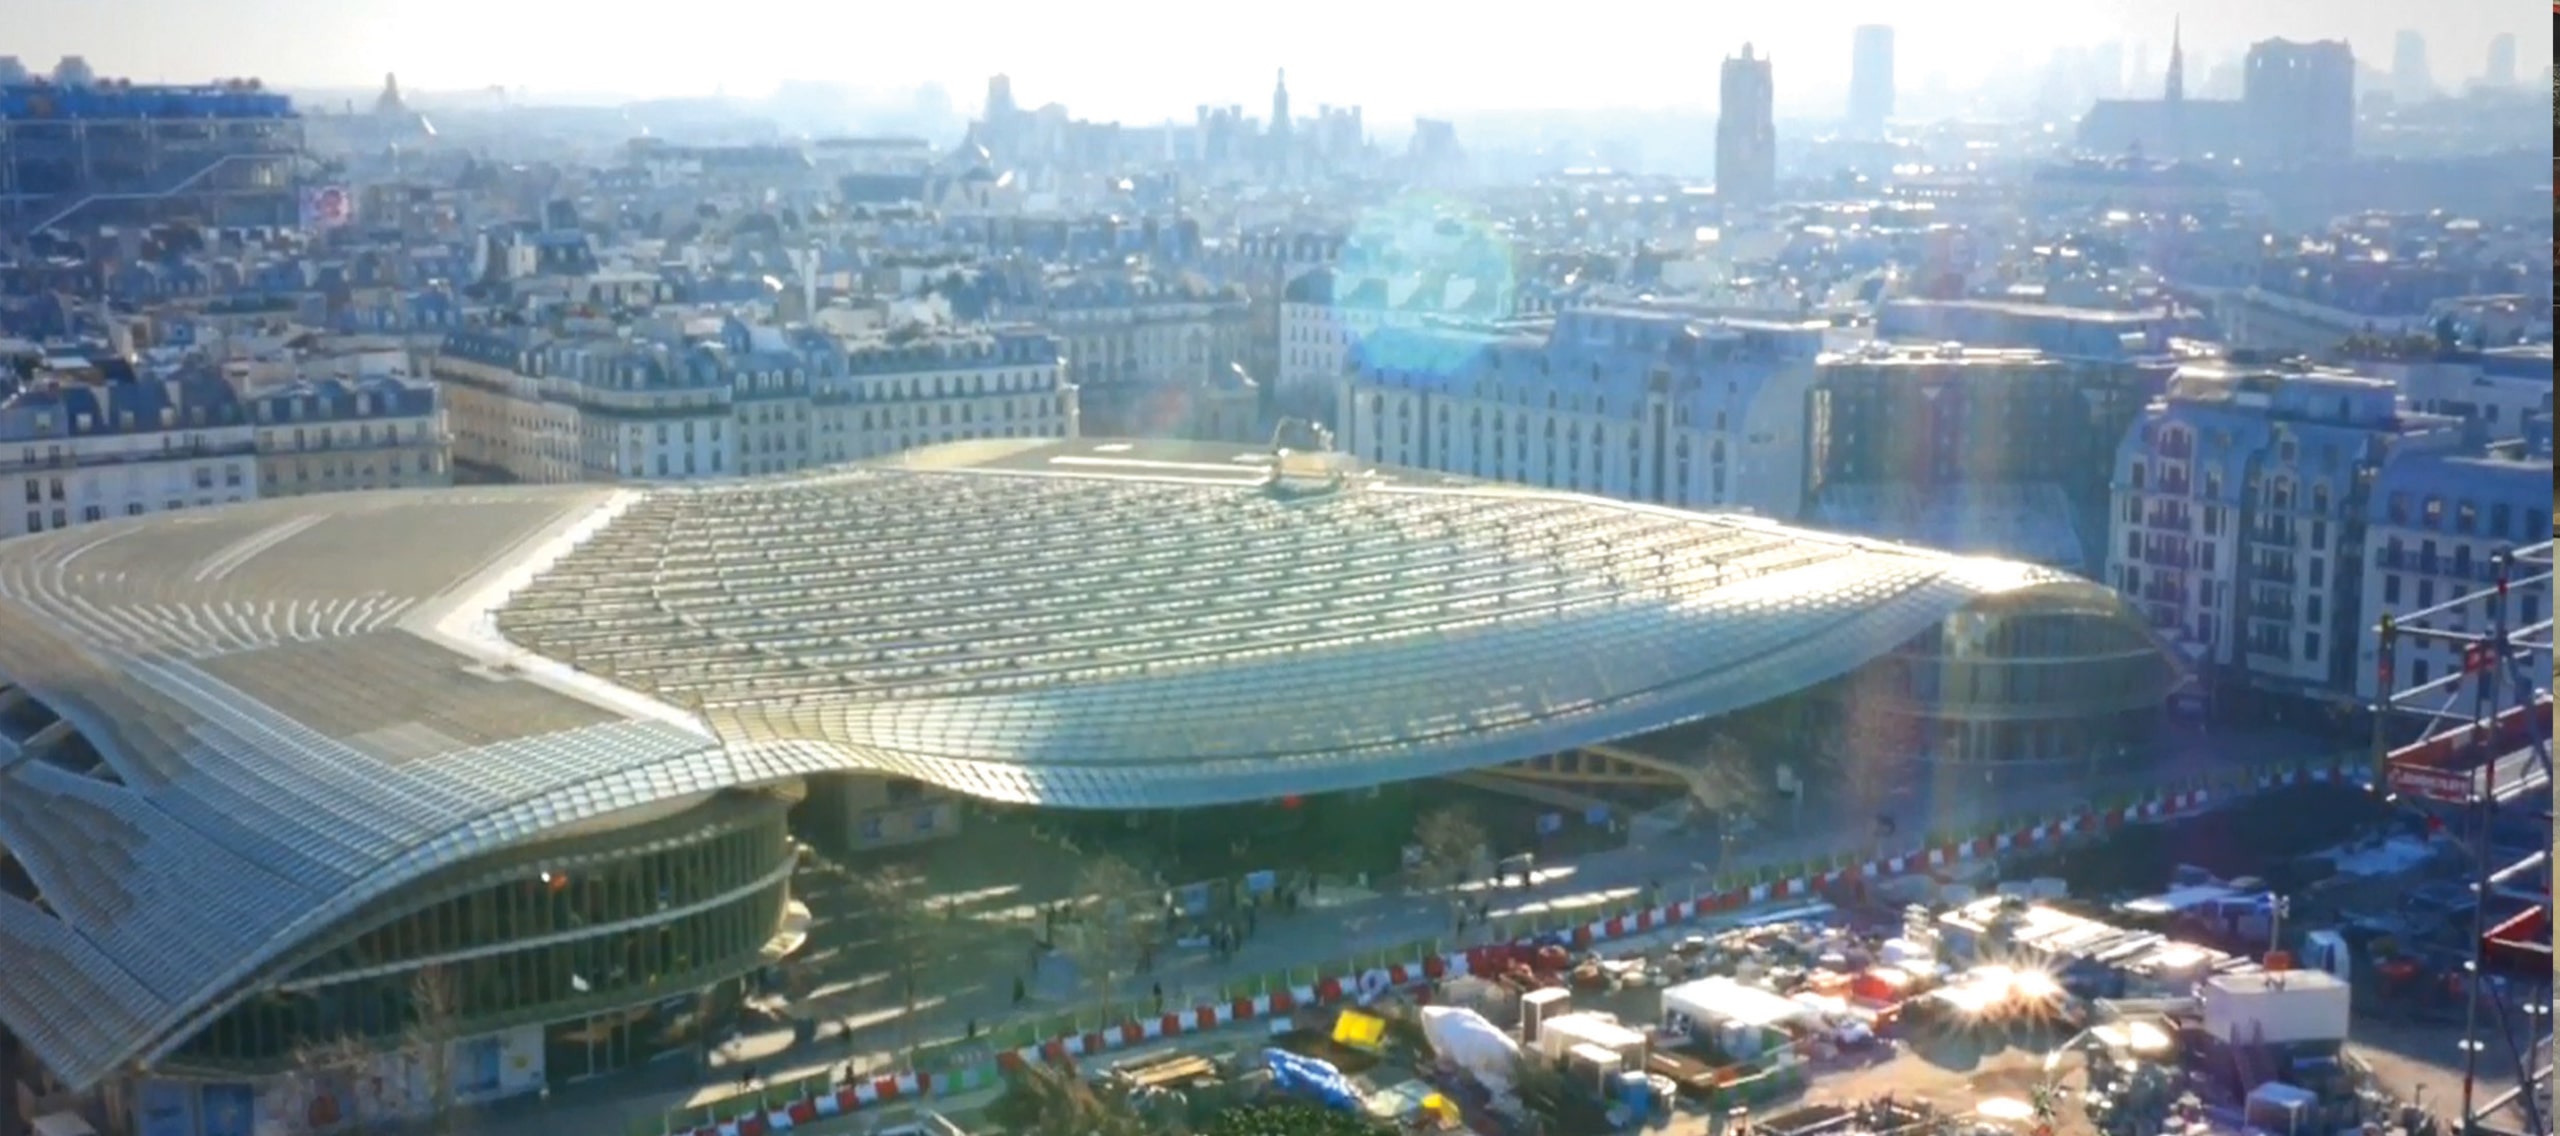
(1080, 624)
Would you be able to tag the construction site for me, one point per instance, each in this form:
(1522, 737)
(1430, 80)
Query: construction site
(2473, 754)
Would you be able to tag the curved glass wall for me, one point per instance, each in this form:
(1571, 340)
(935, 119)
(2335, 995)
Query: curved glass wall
(537, 934)
(2003, 681)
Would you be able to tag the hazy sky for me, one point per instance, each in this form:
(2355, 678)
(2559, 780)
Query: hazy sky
(1146, 60)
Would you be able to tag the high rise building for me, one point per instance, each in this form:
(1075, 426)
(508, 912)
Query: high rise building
(1747, 132)
(2502, 60)
(2410, 80)
(1871, 78)
(2300, 101)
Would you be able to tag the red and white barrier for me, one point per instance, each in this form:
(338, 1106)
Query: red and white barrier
(1358, 986)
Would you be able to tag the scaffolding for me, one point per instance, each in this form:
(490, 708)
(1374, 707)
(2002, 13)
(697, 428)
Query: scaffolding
(2481, 766)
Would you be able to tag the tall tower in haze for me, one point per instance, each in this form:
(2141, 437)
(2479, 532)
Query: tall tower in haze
(1747, 132)
(1871, 79)
(1280, 108)
(2502, 60)
(2175, 90)
(2410, 80)
(999, 98)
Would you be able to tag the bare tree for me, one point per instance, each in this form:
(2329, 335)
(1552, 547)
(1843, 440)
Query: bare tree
(1119, 924)
(326, 1075)
(435, 1018)
(916, 935)
(1450, 845)
(320, 1082)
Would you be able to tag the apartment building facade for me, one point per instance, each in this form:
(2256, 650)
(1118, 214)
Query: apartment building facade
(746, 401)
(1658, 405)
(2239, 515)
(79, 450)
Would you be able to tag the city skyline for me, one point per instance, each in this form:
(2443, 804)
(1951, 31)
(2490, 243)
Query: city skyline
(1394, 61)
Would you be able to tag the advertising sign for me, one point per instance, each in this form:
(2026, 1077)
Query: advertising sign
(164, 1108)
(229, 1110)
(2450, 786)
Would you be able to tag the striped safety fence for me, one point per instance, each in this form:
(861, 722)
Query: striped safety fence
(1337, 983)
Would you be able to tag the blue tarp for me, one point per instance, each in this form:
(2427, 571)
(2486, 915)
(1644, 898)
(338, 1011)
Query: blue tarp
(1305, 1076)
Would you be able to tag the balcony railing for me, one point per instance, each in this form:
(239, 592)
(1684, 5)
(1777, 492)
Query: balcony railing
(2281, 611)
(111, 458)
(2272, 531)
(2271, 571)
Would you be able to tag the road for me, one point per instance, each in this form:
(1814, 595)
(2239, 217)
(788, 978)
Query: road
(1941, 801)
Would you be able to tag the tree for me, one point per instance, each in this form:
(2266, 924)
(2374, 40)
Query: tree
(1122, 908)
(1541, 1087)
(916, 934)
(320, 1083)
(1294, 1119)
(1052, 1100)
(435, 1013)
(1450, 843)
(328, 1075)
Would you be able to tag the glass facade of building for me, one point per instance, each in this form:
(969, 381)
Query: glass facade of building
(2021, 682)
(569, 929)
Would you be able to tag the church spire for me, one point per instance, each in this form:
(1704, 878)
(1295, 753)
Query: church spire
(2177, 89)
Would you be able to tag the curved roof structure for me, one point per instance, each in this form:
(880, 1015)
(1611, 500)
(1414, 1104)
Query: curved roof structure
(273, 713)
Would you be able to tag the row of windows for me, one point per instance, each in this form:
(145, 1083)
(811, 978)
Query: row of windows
(2528, 609)
(1955, 684)
(425, 463)
(37, 520)
(329, 436)
(546, 903)
(2431, 512)
(675, 957)
(53, 488)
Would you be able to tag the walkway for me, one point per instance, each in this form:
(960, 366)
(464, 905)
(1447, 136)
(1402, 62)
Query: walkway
(1951, 801)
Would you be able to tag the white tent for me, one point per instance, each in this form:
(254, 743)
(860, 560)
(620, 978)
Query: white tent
(1476, 1045)
(1719, 1001)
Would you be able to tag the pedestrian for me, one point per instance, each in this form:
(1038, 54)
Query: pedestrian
(1252, 920)
(1021, 993)
(747, 1077)
(1158, 990)
(973, 1030)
